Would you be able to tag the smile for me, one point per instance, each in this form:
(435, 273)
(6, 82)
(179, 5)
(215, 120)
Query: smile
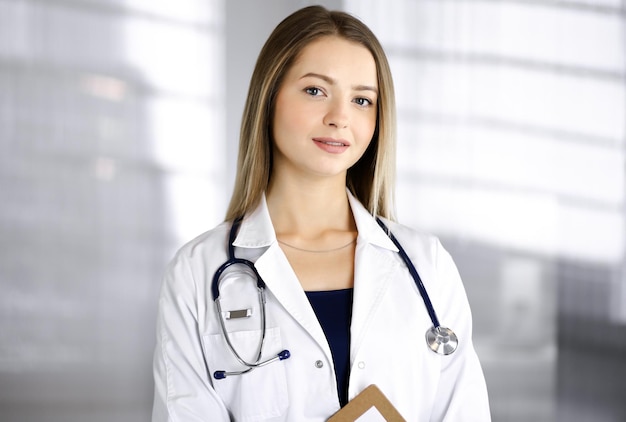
(332, 142)
(331, 145)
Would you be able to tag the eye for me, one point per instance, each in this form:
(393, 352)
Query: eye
(313, 91)
(363, 102)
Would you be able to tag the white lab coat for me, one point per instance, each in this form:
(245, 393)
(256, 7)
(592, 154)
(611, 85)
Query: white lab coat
(387, 345)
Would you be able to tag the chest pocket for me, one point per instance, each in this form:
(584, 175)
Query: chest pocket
(258, 395)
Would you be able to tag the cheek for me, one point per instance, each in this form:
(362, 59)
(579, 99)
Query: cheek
(286, 118)
(366, 128)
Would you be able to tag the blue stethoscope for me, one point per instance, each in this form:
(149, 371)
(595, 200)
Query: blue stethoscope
(439, 339)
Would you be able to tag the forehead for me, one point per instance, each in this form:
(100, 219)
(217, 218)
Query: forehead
(336, 56)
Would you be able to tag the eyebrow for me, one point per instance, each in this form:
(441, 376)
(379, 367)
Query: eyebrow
(332, 81)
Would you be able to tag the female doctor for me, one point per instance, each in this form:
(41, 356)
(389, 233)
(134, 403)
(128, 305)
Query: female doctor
(339, 309)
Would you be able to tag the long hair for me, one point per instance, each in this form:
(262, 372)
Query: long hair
(371, 180)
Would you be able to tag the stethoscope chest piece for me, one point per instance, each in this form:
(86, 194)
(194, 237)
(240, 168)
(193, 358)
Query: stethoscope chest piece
(441, 340)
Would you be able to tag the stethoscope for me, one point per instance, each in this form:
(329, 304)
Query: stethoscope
(439, 339)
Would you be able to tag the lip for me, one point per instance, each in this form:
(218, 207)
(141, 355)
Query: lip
(331, 145)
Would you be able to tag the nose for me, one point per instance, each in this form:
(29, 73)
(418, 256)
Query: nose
(337, 115)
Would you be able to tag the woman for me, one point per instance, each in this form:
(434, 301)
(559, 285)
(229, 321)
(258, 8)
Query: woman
(316, 164)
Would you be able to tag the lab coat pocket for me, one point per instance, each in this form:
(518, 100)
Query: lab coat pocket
(258, 395)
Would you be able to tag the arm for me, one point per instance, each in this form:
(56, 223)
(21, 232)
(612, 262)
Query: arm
(462, 392)
(183, 388)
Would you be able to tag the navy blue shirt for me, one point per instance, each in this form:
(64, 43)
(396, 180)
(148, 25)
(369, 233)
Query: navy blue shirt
(334, 312)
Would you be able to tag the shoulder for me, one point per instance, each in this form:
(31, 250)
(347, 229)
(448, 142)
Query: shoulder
(212, 241)
(188, 270)
(414, 241)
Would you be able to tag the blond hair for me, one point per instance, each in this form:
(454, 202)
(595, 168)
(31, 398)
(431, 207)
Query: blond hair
(371, 180)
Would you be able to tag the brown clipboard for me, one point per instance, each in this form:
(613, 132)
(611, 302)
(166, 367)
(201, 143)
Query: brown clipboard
(364, 401)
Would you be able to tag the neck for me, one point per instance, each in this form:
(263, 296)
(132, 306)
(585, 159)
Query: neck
(309, 209)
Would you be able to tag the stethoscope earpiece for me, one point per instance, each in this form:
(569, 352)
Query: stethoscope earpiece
(441, 340)
(215, 291)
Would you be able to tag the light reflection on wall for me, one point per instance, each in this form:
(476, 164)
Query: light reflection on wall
(182, 58)
(111, 156)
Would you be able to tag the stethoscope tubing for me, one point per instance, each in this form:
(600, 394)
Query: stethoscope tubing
(227, 337)
(416, 277)
(232, 260)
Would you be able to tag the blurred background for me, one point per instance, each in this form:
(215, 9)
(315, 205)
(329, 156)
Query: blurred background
(119, 124)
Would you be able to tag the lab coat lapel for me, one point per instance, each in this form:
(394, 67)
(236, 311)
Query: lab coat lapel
(282, 281)
(257, 235)
(373, 272)
(374, 269)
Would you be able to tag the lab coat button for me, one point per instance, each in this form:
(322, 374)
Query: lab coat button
(319, 364)
(361, 365)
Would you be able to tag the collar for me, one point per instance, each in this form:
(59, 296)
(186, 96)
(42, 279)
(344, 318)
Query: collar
(368, 228)
(257, 231)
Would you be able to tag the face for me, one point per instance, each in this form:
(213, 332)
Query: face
(325, 111)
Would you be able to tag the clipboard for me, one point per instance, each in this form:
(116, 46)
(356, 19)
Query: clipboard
(369, 401)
